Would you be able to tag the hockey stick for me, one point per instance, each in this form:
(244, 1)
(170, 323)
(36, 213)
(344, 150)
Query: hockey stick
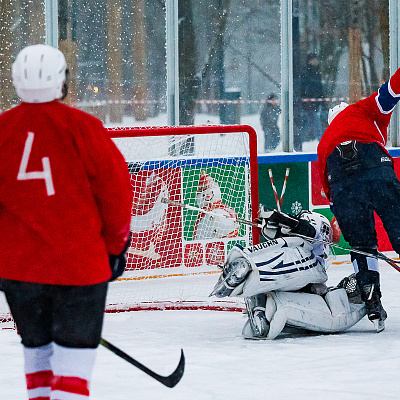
(380, 256)
(169, 381)
(193, 208)
(274, 189)
(284, 186)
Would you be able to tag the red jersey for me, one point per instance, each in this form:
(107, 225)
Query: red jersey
(65, 196)
(365, 121)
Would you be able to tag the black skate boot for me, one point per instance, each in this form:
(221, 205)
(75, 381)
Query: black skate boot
(373, 304)
(255, 307)
(233, 274)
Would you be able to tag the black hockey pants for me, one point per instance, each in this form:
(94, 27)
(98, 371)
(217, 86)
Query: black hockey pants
(71, 316)
(359, 186)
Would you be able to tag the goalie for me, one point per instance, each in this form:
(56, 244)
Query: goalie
(283, 279)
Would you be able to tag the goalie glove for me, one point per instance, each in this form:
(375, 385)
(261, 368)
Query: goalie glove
(274, 221)
(118, 262)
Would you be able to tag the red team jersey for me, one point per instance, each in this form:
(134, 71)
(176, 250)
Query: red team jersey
(365, 121)
(65, 196)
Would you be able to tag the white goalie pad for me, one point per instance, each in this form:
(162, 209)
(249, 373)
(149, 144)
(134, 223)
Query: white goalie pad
(312, 312)
(286, 264)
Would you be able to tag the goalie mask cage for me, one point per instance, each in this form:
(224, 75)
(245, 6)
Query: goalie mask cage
(172, 262)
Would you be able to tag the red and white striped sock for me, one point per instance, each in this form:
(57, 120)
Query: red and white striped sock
(72, 369)
(39, 376)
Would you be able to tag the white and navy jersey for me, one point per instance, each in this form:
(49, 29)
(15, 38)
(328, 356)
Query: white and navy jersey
(286, 263)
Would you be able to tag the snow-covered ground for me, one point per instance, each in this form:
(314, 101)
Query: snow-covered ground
(221, 365)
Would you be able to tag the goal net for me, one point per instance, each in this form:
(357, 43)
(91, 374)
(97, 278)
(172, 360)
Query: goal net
(189, 186)
(175, 251)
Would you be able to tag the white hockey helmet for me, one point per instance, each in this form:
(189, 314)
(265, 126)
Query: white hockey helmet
(322, 226)
(38, 74)
(335, 111)
(208, 191)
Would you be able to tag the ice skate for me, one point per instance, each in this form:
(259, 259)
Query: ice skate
(255, 307)
(233, 274)
(375, 311)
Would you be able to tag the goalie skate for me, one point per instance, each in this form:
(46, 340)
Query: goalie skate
(255, 307)
(233, 274)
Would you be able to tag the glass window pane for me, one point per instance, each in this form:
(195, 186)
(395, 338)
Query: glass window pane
(230, 63)
(22, 23)
(341, 53)
(119, 69)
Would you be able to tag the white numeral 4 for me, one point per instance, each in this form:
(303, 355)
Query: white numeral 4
(23, 175)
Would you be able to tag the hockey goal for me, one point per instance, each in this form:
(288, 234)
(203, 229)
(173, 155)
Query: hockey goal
(176, 173)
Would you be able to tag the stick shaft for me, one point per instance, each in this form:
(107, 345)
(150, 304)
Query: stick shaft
(379, 256)
(284, 186)
(193, 208)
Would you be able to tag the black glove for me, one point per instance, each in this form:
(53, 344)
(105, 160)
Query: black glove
(118, 263)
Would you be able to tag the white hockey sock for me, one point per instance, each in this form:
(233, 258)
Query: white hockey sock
(39, 375)
(72, 369)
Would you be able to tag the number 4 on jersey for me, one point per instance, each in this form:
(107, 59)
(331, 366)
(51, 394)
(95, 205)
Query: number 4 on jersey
(23, 175)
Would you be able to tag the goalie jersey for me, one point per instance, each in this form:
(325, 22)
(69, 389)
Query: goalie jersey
(285, 264)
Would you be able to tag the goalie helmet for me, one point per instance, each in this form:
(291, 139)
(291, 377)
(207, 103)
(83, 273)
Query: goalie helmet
(323, 228)
(39, 74)
(335, 111)
(208, 191)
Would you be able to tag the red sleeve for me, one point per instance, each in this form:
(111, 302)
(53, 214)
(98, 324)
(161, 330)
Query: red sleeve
(111, 187)
(395, 83)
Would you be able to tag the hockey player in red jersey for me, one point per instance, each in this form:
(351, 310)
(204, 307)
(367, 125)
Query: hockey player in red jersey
(358, 178)
(65, 209)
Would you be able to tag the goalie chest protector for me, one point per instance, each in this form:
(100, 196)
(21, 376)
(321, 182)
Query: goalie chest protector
(281, 264)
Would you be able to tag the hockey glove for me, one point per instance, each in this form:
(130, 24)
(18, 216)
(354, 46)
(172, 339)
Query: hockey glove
(118, 263)
(274, 221)
(268, 229)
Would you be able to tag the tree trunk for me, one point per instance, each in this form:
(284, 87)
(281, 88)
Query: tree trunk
(69, 48)
(114, 60)
(384, 25)
(355, 51)
(6, 45)
(187, 64)
(139, 61)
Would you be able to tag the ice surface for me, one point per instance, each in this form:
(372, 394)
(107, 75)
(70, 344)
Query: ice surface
(221, 365)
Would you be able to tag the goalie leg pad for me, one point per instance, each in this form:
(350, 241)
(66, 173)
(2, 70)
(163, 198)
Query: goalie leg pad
(234, 273)
(344, 313)
(277, 320)
(255, 307)
(312, 312)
